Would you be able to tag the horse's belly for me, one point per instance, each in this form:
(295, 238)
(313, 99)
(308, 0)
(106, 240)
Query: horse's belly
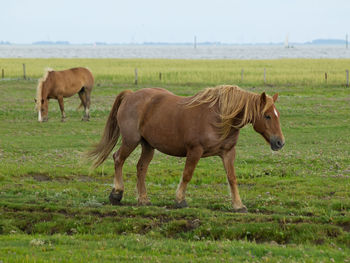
(173, 152)
(169, 147)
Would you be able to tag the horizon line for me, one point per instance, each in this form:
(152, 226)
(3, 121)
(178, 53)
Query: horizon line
(203, 43)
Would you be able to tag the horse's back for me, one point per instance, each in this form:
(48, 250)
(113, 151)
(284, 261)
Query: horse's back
(78, 75)
(138, 105)
(69, 82)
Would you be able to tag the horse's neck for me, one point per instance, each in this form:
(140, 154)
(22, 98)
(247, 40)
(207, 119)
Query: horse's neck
(238, 119)
(45, 92)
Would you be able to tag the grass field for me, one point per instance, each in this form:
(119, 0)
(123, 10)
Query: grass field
(54, 209)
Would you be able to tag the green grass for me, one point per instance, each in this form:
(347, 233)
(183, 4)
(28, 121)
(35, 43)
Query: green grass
(307, 72)
(54, 209)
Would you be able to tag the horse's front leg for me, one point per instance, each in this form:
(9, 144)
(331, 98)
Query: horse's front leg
(60, 102)
(228, 159)
(192, 159)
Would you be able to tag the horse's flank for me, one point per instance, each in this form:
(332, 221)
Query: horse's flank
(234, 104)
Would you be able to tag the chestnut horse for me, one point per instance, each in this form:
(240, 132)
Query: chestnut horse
(63, 84)
(203, 125)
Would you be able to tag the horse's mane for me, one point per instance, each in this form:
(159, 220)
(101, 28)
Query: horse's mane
(232, 101)
(39, 89)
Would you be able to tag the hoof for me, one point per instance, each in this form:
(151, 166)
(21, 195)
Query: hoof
(85, 119)
(115, 197)
(182, 204)
(63, 120)
(241, 210)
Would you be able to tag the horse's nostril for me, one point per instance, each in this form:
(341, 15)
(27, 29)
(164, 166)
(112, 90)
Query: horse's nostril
(276, 144)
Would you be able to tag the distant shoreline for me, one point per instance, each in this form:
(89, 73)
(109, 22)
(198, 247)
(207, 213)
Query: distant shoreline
(237, 52)
(316, 42)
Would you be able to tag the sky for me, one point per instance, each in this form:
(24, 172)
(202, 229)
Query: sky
(137, 21)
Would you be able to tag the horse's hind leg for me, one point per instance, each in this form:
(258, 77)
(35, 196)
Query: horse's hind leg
(87, 100)
(142, 166)
(82, 97)
(119, 158)
(192, 159)
(60, 102)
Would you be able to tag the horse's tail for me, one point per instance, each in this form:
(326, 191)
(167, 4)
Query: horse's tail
(110, 136)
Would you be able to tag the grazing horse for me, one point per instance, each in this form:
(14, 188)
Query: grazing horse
(63, 84)
(203, 125)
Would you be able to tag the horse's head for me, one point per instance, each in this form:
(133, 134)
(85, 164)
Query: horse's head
(268, 122)
(42, 107)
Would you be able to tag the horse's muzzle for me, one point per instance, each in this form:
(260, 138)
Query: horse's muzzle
(276, 143)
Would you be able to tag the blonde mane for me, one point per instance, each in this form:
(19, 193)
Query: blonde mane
(39, 89)
(232, 101)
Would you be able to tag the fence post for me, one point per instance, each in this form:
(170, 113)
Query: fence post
(24, 71)
(346, 41)
(347, 78)
(135, 76)
(264, 75)
(3, 73)
(242, 73)
(160, 75)
(325, 77)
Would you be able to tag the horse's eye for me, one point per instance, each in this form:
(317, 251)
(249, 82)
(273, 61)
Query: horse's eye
(267, 117)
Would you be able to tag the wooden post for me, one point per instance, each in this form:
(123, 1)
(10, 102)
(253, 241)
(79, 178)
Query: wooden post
(3, 73)
(24, 71)
(135, 76)
(264, 75)
(242, 72)
(347, 78)
(325, 77)
(160, 75)
(346, 41)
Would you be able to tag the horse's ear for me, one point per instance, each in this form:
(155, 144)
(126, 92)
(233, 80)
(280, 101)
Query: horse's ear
(263, 100)
(274, 97)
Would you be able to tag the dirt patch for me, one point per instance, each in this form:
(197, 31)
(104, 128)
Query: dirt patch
(41, 177)
(104, 214)
(176, 226)
(84, 178)
(319, 241)
(345, 226)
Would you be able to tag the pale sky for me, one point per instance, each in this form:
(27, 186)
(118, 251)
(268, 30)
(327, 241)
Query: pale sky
(137, 21)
